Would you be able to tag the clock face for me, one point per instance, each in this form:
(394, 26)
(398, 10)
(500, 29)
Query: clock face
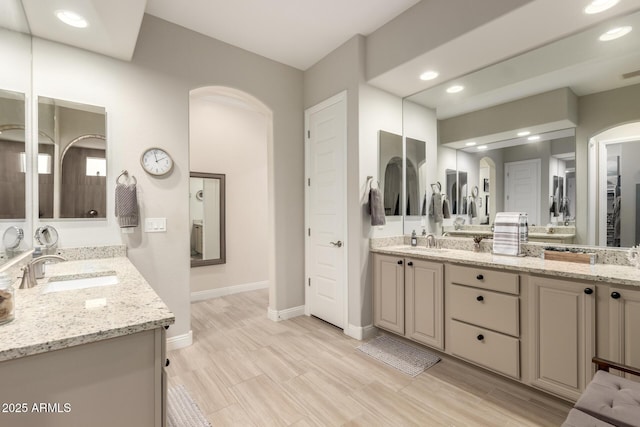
(156, 161)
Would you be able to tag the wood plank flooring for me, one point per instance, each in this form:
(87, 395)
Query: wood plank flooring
(245, 370)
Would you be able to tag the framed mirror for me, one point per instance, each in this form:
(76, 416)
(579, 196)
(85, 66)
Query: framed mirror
(72, 160)
(207, 218)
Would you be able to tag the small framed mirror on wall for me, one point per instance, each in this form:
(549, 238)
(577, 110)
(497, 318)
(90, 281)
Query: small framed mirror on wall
(207, 218)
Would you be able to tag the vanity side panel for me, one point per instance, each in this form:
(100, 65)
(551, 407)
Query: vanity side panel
(106, 383)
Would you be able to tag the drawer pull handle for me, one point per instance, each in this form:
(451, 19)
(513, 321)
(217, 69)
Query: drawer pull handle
(480, 298)
(479, 277)
(480, 337)
(615, 295)
(588, 291)
(400, 262)
(410, 264)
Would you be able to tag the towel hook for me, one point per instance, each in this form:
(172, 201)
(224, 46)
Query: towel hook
(125, 173)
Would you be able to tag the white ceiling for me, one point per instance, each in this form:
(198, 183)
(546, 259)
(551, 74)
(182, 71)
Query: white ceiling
(294, 32)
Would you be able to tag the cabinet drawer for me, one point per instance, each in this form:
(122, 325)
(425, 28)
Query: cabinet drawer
(484, 278)
(491, 349)
(485, 308)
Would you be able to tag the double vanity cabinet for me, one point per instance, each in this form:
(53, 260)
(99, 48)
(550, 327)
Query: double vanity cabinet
(535, 321)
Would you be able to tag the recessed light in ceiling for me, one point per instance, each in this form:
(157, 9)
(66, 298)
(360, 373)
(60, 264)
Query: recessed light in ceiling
(71, 18)
(482, 147)
(429, 75)
(534, 138)
(597, 6)
(615, 33)
(470, 143)
(524, 133)
(455, 89)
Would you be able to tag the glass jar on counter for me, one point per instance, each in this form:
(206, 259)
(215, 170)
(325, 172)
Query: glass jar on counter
(7, 299)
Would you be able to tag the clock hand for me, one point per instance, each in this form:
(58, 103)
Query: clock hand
(156, 156)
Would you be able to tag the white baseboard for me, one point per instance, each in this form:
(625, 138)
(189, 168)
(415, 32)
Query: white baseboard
(278, 315)
(361, 332)
(180, 341)
(228, 290)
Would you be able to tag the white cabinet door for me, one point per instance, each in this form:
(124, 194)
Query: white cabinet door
(423, 302)
(562, 322)
(388, 293)
(624, 326)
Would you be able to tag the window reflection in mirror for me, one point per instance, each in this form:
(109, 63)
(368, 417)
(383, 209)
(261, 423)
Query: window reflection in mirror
(13, 164)
(207, 217)
(72, 160)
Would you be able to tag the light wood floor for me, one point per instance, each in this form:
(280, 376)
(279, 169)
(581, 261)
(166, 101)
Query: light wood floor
(245, 370)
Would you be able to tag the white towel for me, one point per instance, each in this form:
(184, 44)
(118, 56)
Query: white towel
(506, 234)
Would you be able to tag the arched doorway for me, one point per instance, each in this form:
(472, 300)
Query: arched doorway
(231, 133)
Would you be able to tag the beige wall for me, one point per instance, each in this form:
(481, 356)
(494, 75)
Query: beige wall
(232, 140)
(147, 103)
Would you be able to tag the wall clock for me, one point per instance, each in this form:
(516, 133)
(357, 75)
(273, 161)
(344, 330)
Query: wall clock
(156, 161)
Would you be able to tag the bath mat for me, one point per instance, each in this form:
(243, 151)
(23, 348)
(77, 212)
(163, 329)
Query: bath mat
(182, 411)
(398, 354)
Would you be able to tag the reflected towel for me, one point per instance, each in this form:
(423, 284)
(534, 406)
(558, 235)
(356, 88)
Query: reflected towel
(126, 205)
(423, 211)
(473, 211)
(376, 207)
(435, 207)
(445, 209)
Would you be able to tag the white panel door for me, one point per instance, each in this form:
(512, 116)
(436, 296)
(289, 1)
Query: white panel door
(522, 188)
(326, 207)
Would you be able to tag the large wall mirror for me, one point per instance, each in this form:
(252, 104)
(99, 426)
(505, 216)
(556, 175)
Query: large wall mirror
(72, 160)
(13, 160)
(207, 217)
(522, 127)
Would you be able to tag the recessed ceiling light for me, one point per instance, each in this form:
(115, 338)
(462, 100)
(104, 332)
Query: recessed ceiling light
(597, 6)
(71, 18)
(428, 75)
(534, 138)
(470, 143)
(615, 33)
(482, 147)
(455, 89)
(524, 133)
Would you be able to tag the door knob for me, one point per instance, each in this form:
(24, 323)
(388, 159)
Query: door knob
(338, 243)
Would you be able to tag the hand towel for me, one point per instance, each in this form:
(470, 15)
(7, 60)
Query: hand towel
(473, 211)
(464, 206)
(423, 211)
(126, 205)
(435, 207)
(445, 209)
(376, 206)
(506, 234)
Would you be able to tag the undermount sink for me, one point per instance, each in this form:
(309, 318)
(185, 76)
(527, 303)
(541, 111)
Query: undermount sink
(425, 249)
(81, 281)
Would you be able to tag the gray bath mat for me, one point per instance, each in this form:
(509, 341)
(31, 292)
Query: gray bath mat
(398, 354)
(182, 411)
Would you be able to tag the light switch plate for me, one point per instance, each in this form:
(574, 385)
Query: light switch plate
(155, 225)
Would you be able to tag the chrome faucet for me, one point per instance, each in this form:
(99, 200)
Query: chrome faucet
(431, 241)
(28, 271)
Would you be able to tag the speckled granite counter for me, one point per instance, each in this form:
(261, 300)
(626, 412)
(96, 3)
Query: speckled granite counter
(53, 321)
(608, 273)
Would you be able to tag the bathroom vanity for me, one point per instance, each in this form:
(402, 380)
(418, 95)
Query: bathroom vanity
(92, 356)
(536, 321)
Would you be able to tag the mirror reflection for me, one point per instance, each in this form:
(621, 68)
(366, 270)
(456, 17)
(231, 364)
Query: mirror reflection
(560, 95)
(13, 160)
(72, 161)
(390, 171)
(416, 177)
(207, 216)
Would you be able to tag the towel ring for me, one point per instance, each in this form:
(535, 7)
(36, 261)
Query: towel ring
(125, 173)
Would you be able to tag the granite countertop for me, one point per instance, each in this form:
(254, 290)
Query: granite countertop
(52, 321)
(608, 273)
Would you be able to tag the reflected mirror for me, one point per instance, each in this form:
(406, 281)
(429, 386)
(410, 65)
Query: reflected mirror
(416, 177)
(565, 93)
(207, 217)
(13, 160)
(390, 171)
(72, 160)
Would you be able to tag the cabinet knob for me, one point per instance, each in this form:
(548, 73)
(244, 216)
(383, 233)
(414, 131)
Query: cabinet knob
(479, 277)
(588, 291)
(480, 337)
(167, 362)
(615, 295)
(480, 298)
(410, 264)
(400, 262)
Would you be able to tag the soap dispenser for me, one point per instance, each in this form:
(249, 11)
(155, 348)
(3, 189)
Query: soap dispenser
(414, 238)
(7, 295)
